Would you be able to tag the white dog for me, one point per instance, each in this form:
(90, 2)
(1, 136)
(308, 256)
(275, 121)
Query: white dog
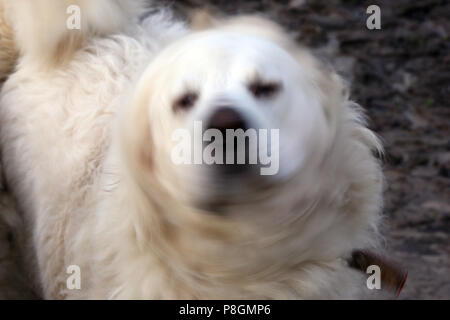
(87, 122)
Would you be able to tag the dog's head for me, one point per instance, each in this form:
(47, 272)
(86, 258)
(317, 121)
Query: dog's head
(313, 153)
(242, 77)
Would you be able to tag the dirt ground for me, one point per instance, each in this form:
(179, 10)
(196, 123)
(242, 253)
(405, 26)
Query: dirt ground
(401, 75)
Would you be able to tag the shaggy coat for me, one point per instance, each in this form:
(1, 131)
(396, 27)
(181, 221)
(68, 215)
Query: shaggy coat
(85, 126)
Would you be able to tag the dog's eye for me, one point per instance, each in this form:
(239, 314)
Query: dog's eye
(264, 90)
(186, 101)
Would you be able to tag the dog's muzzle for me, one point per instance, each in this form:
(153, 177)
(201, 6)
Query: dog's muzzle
(226, 118)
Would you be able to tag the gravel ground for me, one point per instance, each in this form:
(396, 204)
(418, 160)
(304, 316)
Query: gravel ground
(401, 75)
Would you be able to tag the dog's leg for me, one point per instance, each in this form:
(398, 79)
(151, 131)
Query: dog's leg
(49, 31)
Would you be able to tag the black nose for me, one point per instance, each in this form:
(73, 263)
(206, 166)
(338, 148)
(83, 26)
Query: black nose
(227, 118)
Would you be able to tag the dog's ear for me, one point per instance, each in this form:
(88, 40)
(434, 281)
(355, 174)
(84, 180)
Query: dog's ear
(333, 90)
(135, 136)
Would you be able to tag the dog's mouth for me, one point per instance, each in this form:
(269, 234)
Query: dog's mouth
(235, 155)
(235, 164)
(231, 187)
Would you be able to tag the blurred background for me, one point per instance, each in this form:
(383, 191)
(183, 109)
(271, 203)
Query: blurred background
(401, 76)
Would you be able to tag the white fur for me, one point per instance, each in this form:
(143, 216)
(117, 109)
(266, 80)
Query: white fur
(42, 31)
(86, 148)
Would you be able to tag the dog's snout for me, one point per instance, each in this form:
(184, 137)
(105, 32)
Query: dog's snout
(227, 118)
